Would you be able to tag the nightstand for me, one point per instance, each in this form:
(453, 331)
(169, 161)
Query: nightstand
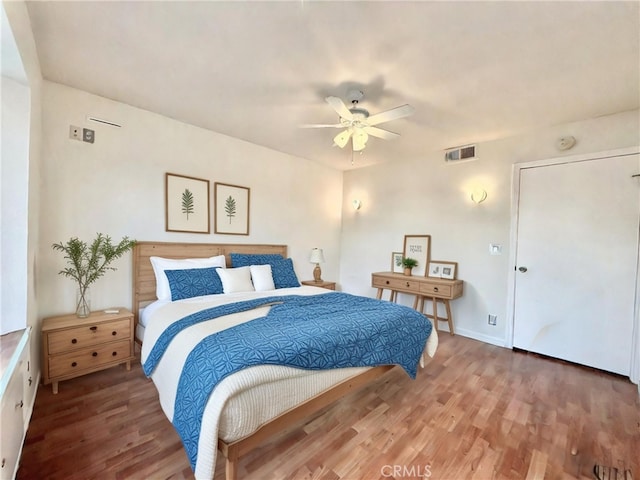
(73, 346)
(321, 284)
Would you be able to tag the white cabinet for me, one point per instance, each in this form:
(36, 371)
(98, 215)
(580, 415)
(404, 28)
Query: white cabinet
(17, 388)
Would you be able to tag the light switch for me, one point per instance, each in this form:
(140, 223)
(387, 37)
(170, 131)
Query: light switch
(495, 249)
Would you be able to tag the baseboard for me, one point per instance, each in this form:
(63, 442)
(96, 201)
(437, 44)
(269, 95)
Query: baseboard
(497, 341)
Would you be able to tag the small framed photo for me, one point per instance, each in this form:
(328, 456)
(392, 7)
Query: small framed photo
(439, 269)
(186, 204)
(231, 209)
(396, 262)
(417, 247)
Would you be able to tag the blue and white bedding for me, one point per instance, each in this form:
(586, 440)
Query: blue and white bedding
(296, 376)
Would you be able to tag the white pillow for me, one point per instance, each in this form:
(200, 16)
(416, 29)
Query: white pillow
(236, 279)
(262, 278)
(159, 264)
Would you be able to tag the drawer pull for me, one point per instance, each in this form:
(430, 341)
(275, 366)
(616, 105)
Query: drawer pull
(93, 329)
(74, 364)
(74, 340)
(114, 333)
(407, 285)
(94, 354)
(435, 289)
(387, 282)
(114, 354)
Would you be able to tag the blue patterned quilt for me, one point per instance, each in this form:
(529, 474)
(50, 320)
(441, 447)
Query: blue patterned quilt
(332, 330)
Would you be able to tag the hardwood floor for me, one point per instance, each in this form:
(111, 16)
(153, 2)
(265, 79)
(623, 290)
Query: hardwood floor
(476, 412)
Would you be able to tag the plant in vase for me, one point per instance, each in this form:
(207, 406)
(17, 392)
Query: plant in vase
(88, 262)
(408, 263)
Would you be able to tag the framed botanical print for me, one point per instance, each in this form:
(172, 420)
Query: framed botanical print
(186, 204)
(396, 262)
(231, 209)
(417, 247)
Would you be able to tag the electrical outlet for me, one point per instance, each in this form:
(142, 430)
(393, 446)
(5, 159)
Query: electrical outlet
(88, 135)
(493, 319)
(75, 133)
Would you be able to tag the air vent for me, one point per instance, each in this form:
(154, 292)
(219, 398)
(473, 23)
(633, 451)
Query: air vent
(460, 153)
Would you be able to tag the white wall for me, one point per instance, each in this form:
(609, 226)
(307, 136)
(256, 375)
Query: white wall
(116, 186)
(20, 24)
(14, 205)
(428, 196)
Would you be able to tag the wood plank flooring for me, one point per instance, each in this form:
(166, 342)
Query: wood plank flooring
(476, 412)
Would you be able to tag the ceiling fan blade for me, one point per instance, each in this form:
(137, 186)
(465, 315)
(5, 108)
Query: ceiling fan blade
(339, 106)
(342, 138)
(323, 125)
(380, 133)
(359, 140)
(393, 114)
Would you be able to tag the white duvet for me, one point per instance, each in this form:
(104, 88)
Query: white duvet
(237, 406)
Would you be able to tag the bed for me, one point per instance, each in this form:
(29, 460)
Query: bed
(234, 416)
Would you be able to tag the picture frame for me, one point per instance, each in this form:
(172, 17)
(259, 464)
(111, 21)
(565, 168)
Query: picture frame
(441, 269)
(396, 262)
(231, 211)
(186, 204)
(418, 247)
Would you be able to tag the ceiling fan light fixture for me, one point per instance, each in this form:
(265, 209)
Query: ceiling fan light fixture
(342, 138)
(359, 140)
(357, 122)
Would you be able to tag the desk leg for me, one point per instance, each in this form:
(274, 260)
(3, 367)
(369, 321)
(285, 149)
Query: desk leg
(421, 304)
(435, 312)
(379, 295)
(393, 296)
(449, 318)
(416, 302)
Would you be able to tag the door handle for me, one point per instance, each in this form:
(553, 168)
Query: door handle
(522, 269)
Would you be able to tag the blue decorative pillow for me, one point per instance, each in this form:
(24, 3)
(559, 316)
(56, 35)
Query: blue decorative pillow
(194, 282)
(284, 276)
(248, 259)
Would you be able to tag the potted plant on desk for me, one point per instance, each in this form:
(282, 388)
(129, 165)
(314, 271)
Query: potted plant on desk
(408, 263)
(87, 263)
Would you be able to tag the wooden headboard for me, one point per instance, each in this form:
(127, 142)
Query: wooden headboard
(144, 281)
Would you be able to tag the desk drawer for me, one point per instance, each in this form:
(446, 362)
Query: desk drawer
(401, 285)
(439, 290)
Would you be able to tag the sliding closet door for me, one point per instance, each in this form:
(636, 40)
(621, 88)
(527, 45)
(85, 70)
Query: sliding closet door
(576, 261)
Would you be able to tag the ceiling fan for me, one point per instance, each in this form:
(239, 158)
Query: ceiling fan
(358, 124)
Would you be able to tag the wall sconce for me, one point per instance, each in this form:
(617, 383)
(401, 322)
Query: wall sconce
(479, 195)
(356, 204)
(317, 257)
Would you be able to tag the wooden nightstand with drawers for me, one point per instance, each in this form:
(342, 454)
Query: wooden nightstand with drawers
(73, 346)
(321, 284)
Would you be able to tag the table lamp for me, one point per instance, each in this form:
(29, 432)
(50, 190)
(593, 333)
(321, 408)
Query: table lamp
(316, 257)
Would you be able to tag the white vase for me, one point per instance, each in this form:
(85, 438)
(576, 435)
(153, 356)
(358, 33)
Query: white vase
(83, 302)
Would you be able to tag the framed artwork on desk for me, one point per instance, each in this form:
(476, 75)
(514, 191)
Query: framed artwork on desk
(417, 247)
(440, 269)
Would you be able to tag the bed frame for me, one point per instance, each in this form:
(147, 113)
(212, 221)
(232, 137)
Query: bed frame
(144, 292)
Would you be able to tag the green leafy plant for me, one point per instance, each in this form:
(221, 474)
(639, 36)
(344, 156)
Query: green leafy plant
(187, 202)
(408, 262)
(88, 262)
(230, 207)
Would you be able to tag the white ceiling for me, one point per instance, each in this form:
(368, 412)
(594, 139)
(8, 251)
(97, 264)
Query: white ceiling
(474, 71)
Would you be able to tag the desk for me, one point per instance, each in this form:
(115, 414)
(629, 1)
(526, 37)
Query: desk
(433, 289)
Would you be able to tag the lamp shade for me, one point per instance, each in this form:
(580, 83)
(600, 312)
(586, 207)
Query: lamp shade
(316, 256)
